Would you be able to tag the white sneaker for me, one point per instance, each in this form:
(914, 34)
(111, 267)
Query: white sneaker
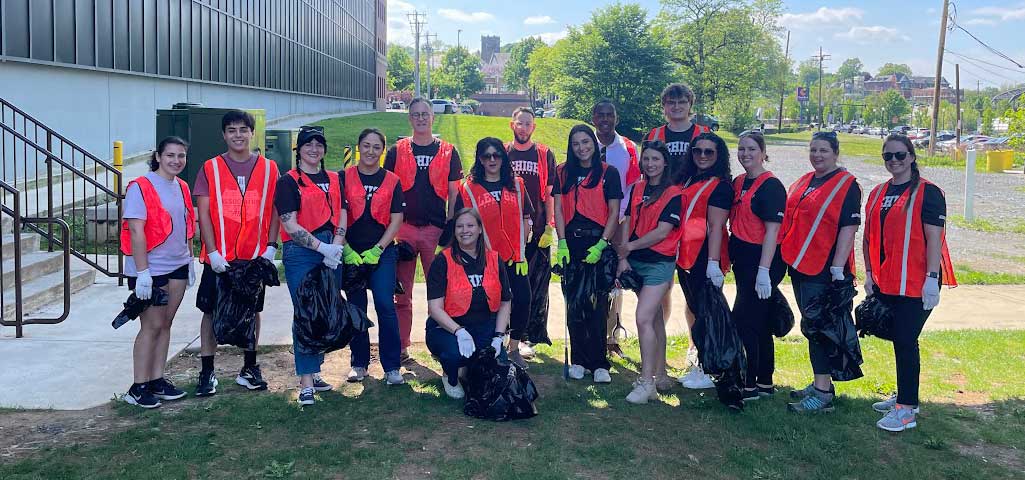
(357, 374)
(644, 390)
(576, 372)
(455, 392)
(601, 375)
(696, 379)
(526, 350)
(394, 377)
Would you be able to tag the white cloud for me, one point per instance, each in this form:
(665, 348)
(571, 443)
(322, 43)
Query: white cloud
(980, 21)
(873, 35)
(538, 20)
(1003, 13)
(552, 37)
(398, 23)
(466, 17)
(824, 16)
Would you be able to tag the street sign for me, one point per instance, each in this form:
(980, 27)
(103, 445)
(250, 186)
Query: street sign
(802, 94)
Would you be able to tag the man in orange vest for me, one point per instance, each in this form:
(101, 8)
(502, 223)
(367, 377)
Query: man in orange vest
(429, 171)
(620, 152)
(237, 221)
(679, 130)
(535, 163)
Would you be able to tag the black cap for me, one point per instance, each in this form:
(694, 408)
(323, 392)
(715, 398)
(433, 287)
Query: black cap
(308, 133)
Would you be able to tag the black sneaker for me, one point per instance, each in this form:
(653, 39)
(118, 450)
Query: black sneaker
(207, 384)
(164, 389)
(140, 396)
(306, 396)
(320, 385)
(751, 394)
(251, 378)
(766, 391)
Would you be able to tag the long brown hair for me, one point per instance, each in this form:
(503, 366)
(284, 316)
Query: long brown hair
(904, 140)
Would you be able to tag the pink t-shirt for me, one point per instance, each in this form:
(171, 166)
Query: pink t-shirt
(241, 170)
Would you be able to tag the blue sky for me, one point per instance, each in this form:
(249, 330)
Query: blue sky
(904, 31)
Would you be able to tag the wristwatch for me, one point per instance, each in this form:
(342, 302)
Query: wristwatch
(273, 244)
(933, 274)
(498, 335)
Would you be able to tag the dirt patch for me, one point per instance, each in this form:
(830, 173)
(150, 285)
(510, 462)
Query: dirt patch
(1007, 457)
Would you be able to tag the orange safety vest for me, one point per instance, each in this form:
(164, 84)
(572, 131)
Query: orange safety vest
(503, 220)
(241, 221)
(659, 133)
(633, 170)
(810, 224)
(695, 226)
(158, 221)
(744, 224)
(380, 204)
(316, 206)
(459, 292)
(903, 270)
(589, 202)
(438, 171)
(542, 167)
(644, 218)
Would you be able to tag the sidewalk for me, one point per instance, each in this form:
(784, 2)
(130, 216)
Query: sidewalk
(84, 352)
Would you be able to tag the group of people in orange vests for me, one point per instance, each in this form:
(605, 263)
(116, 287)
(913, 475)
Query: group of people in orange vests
(670, 205)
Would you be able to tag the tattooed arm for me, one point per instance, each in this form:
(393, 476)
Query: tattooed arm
(339, 238)
(298, 233)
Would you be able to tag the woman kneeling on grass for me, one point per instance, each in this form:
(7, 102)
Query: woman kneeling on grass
(468, 299)
(906, 260)
(159, 223)
(649, 240)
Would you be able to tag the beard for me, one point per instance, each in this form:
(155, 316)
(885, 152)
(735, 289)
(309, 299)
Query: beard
(522, 140)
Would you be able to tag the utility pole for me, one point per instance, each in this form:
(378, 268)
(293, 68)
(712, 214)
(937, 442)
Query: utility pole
(417, 21)
(783, 83)
(957, 107)
(939, 74)
(430, 56)
(459, 33)
(820, 57)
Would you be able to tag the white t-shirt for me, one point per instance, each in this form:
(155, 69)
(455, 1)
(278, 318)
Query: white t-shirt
(618, 156)
(174, 252)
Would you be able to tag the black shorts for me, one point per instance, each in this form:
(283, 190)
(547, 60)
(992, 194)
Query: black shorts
(206, 295)
(181, 273)
(692, 283)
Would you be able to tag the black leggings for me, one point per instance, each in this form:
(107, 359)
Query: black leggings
(909, 319)
(520, 286)
(751, 314)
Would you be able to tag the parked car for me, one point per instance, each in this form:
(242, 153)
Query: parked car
(549, 113)
(861, 129)
(902, 129)
(995, 143)
(707, 120)
(444, 106)
(917, 133)
(466, 109)
(539, 112)
(398, 105)
(940, 137)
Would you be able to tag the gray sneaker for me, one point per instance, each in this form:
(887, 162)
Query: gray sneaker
(515, 357)
(886, 405)
(394, 377)
(804, 392)
(816, 402)
(356, 375)
(897, 420)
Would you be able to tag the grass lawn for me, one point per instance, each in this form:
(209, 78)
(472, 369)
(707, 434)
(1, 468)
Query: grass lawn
(989, 226)
(972, 425)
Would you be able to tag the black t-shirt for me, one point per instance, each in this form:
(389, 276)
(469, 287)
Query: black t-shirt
(424, 207)
(524, 163)
(934, 207)
(670, 214)
(850, 214)
(613, 191)
(365, 231)
(721, 196)
(437, 283)
(678, 144)
(495, 189)
(768, 203)
(287, 199)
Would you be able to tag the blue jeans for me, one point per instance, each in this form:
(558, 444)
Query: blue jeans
(444, 346)
(298, 261)
(382, 284)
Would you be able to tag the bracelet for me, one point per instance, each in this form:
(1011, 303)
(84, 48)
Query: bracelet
(498, 335)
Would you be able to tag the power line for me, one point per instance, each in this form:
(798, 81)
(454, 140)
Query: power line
(991, 49)
(980, 67)
(1015, 70)
(975, 74)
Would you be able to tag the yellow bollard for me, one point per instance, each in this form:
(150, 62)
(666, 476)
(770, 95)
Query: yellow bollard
(119, 163)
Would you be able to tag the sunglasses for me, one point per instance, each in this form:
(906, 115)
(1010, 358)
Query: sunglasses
(703, 152)
(888, 156)
(491, 156)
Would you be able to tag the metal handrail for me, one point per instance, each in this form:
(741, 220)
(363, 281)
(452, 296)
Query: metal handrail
(60, 137)
(74, 169)
(16, 217)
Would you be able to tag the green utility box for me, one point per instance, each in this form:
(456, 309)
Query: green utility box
(280, 148)
(201, 127)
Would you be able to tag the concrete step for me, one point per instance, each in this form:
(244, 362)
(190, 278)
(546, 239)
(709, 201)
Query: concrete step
(29, 244)
(47, 290)
(33, 266)
(8, 224)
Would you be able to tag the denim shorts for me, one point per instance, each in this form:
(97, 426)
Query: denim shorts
(653, 273)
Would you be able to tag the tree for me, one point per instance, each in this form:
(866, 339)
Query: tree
(851, 68)
(808, 73)
(1016, 127)
(459, 75)
(888, 108)
(891, 68)
(517, 69)
(400, 69)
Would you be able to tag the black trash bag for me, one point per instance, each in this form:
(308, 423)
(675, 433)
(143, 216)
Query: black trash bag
(781, 317)
(586, 286)
(720, 349)
(134, 306)
(405, 251)
(540, 276)
(873, 317)
(234, 317)
(827, 320)
(631, 280)
(356, 277)
(325, 321)
(497, 392)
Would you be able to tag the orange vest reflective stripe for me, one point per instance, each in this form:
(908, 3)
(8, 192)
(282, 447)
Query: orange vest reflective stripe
(158, 220)
(659, 133)
(695, 226)
(380, 203)
(316, 207)
(503, 220)
(437, 172)
(644, 218)
(810, 224)
(459, 292)
(903, 270)
(542, 167)
(241, 221)
(589, 202)
(744, 224)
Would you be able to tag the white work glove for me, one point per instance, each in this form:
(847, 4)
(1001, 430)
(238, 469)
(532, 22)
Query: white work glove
(930, 293)
(836, 273)
(496, 343)
(217, 262)
(192, 274)
(144, 285)
(466, 345)
(870, 284)
(269, 253)
(714, 274)
(331, 262)
(330, 251)
(763, 286)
